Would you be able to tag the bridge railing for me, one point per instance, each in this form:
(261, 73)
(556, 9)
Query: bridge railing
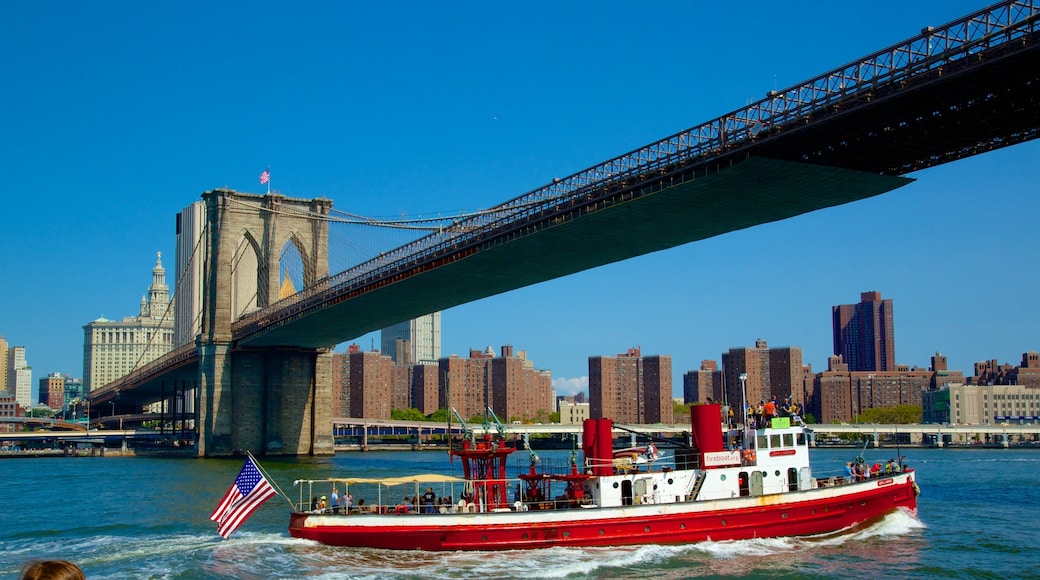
(171, 359)
(928, 53)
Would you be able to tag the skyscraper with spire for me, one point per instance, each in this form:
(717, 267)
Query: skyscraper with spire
(111, 349)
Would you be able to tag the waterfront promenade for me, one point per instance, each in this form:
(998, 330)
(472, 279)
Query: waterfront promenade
(369, 434)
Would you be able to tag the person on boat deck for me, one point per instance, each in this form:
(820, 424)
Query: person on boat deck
(334, 500)
(875, 469)
(429, 499)
(861, 471)
(651, 451)
(348, 502)
(769, 409)
(890, 466)
(323, 504)
(849, 477)
(405, 506)
(361, 507)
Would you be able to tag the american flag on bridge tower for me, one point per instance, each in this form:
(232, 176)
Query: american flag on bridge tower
(250, 490)
(265, 176)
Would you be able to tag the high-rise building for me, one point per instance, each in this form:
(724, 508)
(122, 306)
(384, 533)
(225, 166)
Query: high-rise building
(341, 381)
(3, 365)
(509, 384)
(52, 391)
(703, 384)
(864, 335)
(370, 385)
(413, 341)
(111, 349)
(19, 376)
(189, 274)
(631, 388)
(772, 373)
(425, 382)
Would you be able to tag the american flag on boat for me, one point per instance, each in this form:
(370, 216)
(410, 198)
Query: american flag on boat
(250, 490)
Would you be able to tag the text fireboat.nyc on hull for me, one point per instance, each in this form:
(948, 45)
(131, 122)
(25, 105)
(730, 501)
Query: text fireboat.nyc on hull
(715, 491)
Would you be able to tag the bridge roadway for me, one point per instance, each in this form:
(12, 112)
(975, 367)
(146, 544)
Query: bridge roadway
(951, 92)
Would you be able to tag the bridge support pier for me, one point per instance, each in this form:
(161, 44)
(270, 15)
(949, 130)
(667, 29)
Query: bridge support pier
(269, 402)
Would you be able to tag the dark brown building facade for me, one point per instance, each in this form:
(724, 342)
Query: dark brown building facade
(509, 384)
(701, 385)
(772, 373)
(864, 335)
(631, 388)
(844, 394)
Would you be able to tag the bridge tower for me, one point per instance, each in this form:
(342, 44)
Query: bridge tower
(270, 400)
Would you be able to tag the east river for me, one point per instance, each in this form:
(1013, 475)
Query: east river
(134, 517)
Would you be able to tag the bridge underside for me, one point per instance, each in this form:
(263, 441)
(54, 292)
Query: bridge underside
(748, 193)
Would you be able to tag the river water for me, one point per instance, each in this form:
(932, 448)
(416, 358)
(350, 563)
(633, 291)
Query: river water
(135, 517)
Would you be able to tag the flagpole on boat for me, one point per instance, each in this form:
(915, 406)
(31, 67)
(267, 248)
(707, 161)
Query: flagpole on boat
(270, 479)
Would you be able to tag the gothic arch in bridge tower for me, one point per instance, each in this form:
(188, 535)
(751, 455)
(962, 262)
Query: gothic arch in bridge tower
(294, 262)
(246, 276)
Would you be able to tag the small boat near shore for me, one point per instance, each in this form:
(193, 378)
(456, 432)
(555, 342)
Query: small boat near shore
(728, 485)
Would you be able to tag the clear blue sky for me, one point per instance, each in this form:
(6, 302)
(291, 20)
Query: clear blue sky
(115, 115)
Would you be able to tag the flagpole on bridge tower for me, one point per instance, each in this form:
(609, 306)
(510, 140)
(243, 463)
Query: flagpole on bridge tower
(265, 177)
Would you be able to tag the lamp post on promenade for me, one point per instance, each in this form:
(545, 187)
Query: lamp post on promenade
(743, 405)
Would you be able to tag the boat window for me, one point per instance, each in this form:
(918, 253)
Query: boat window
(774, 441)
(763, 442)
(788, 440)
(801, 438)
(792, 479)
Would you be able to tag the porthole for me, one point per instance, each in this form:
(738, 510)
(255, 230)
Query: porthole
(484, 537)
(615, 485)
(646, 529)
(670, 481)
(783, 516)
(602, 533)
(723, 522)
(523, 537)
(723, 477)
(777, 473)
(443, 538)
(566, 534)
(682, 526)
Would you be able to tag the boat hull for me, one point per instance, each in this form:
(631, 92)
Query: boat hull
(809, 512)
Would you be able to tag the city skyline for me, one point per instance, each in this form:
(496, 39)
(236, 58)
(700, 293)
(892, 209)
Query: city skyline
(103, 146)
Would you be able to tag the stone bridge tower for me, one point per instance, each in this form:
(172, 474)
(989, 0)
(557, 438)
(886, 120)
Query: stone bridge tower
(270, 400)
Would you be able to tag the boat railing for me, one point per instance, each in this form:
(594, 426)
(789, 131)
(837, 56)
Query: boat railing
(836, 477)
(404, 496)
